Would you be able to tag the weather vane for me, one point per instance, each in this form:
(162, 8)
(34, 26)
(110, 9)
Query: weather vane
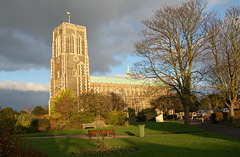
(68, 13)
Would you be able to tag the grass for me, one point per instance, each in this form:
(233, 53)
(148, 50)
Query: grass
(236, 124)
(58, 133)
(183, 145)
(151, 128)
(167, 140)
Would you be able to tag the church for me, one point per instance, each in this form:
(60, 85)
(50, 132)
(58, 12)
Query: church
(70, 69)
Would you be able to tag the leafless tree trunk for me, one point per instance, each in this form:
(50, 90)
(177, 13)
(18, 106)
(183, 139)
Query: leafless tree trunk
(224, 45)
(172, 43)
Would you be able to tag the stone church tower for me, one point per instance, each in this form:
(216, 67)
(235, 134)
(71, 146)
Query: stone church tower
(70, 61)
(70, 69)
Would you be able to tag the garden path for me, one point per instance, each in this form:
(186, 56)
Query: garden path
(217, 128)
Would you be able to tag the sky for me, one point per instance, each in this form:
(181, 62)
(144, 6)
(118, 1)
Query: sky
(26, 27)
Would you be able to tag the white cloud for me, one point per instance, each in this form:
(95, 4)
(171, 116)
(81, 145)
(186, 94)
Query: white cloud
(212, 3)
(117, 75)
(22, 86)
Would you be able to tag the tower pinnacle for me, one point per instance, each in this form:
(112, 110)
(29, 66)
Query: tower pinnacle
(69, 14)
(128, 73)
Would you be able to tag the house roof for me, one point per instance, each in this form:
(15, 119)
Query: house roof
(110, 80)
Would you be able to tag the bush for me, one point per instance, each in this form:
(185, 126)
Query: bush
(12, 143)
(99, 123)
(115, 117)
(7, 129)
(141, 118)
(34, 125)
(100, 143)
(173, 117)
(38, 110)
(21, 129)
(224, 116)
(44, 125)
(57, 122)
(78, 119)
(23, 121)
(147, 114)
(131, 112)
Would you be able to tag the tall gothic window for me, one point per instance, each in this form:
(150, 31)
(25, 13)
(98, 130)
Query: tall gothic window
(71, 43)
(58, 50)
(79, 45)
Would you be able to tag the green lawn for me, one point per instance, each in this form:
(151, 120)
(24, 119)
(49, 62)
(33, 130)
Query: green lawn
(151, 128)
(167, 140)
(182, 145)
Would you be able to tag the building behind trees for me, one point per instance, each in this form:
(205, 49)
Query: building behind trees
(70, 69)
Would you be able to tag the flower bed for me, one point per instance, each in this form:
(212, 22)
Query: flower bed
(113, 150)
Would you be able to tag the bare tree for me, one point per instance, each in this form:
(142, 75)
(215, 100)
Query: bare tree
(172, 43)
(99, 103)
(224, 45)
(212, 101)
(167, 102)
(94, 102)
(28, 108)
(117, 102)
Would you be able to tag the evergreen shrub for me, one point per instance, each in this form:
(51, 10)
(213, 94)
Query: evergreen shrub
(78, 119)
(57, 122)
(44, 125)
(21, 129)
(131, 112)
(147, 114)
(172, 117)
(34, 125)
(115, 117)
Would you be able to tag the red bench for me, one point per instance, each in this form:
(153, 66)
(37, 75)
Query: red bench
(105, 132)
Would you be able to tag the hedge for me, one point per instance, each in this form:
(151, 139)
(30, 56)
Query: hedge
(224, 116)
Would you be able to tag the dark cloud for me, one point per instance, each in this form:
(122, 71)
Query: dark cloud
(17, 99)
(112, 28)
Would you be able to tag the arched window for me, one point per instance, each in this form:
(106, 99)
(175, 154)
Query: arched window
(71, 43)
(58, 92)
(59, 44)
(58, 74)
(79, 45)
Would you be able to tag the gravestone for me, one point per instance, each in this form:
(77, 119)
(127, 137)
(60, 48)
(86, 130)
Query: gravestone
(159, 118)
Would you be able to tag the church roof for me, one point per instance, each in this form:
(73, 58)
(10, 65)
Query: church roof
(110, 80)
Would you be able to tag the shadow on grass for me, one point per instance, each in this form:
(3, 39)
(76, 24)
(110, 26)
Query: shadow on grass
(60, 147)
(183, 145)
(172, 144)
(167, 127)
(58, 133)
(175, 127)
(129, 133)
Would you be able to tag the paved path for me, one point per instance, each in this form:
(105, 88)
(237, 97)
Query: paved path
(218, 128)
(79, 136)
(221, 129)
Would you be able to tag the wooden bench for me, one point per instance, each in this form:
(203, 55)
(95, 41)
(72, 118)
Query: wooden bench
(89, 125)
(105, 132)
